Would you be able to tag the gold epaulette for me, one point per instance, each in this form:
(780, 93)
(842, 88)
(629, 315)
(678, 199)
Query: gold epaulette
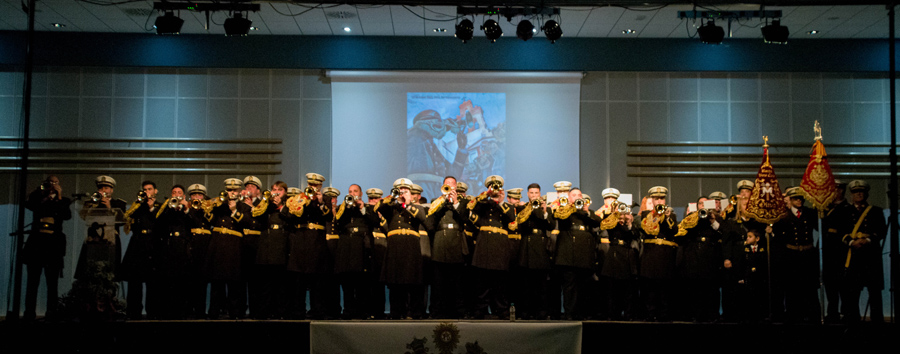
(162, 207)
(524, 214)
(134, 207)
(296, 204)
(610, 221)
(260, 208)
(340, 212)
(688, 223)
(436, 205)
(513, 226)
(564, 212)
(650, 224)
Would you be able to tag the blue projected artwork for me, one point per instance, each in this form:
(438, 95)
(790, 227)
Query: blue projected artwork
(454, 134)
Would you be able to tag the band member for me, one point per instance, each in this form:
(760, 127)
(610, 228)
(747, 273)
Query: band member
(446, 218)
(331, 284)
(575, 249)
(375, 301)
(799, 264)
(735, 226)
(271, 255)
(834, 252)
(255, 209)
(402, 271)
(718, 197)
(620, 265)
(45, 247)
(698, 261)
(461, 189)
(657, 267)
(353, 224)
(223, 260)
(864, 230)
(494, 219)
(292, 191)
(200, 217)
(532, 261)
(415, 191)
(138, 265)
(172, 256)
(308, 258)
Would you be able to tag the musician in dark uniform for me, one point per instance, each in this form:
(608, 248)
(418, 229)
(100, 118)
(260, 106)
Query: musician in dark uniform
(353, 224)
(532, 263)
(657, 264)
(620, 265)
(331, 285)
(834, 252)
(309, 260)
(223, 260)
(138, 267)
(864, 230)
(402, 271)
(100, 246)
(200, 216)
(494, 219)
(698, 262)
(271, 255)
(799, 263)
(446, 218)
(376, 297)
(45, 247)
(734, 230)
(254, 225)
(575, 251)
(172, 256)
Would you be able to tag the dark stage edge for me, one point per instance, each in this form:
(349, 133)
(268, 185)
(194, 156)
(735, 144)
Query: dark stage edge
(258, 336)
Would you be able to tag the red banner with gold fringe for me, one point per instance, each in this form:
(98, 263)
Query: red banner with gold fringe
(818, 186)
(766, 203)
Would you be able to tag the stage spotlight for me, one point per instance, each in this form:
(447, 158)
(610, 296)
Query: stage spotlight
(710, 33)
(525, 30)
(775, 33)
(237, 25)
(492, 30)
(168, 24)
(552, 30)
(464, 30)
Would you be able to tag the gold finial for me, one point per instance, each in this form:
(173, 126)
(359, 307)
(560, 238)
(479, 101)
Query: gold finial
(818, 129)
(765, 141)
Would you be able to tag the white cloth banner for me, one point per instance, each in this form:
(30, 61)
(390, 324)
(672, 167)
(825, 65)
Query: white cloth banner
(444, 337)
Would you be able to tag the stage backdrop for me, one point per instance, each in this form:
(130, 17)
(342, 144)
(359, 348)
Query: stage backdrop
(427, 125)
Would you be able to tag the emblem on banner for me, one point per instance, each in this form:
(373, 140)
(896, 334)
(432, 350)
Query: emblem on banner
(766, 204)
(417, 346)
(818, 186)
(446, 337)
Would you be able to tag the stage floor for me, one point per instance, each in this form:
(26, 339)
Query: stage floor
(232, 336)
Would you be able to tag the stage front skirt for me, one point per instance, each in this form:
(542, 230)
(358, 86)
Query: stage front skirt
(445, 337)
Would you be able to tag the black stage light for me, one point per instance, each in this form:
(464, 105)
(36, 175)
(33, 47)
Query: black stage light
(168, 23)
(710, 33)
(775, 33)
(492, 30)
(525, 30)
(464, 30)
(552, 30)
(237, 25)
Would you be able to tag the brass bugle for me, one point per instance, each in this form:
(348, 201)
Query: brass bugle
(535, 203)
(623, 208)
(733, 200)
(142, 197)
(46, 185)
(446, 189)
(97, 196)
(579, 203)
(395, 193)
(223, 196)
(660, 208)
(266, 196)
(196, 203)
(175, 202)
(563, 201)
(703, 213)
(310, 191)
(350, 199)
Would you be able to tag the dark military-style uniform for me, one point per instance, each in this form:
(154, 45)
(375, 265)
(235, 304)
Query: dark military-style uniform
(223, 261)
(138, 266)
(575, 254)
(352, 255)
(532, 263)
(199, 221)
(734, 234)
(448, 252)
(657, 264)
(402, 270)
(271, 259)
(309, 260)
(751, 268)
(45, 249)
(492, 254)
(834, 254)
(698, 262)
(620, 268)
(864, 267)
(173, 260)
(797, 265)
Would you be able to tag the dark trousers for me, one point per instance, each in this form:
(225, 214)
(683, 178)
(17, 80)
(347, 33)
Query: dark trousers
(271, 295)
(228, 296)
(197, 292)
(51, 274)
(406, 300)
(491, 287)
(622, 299)
(655, 296)
(174, 296)
(447, 290)
(298, 286)
(354, 287)
(572, 282)
(801, 303)
(530, 292)
(850, 298)
(701, 299)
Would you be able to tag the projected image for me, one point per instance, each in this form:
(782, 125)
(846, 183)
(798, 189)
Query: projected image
(455, 134)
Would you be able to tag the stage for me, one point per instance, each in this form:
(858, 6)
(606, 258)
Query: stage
(233, 336)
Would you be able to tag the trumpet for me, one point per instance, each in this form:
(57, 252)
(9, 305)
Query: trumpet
(97, 196)
(223, 196)
(733, 200)
(563, 201)
(142, 197)
(395, 194)
(196, 203)
(495, 186)
(446, 189)
(350, 200)
(175, 202)
(703, 213)
(580, 203)
(660, 208)
(266, 196)
(535, 204)
(47, 185)
(310, 191)
(623, 208)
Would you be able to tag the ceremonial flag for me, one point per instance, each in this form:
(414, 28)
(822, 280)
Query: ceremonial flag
(818, 186)
(766, 204)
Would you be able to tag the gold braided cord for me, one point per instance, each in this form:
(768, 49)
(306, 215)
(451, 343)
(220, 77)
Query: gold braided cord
(688, 223)
(564, 212)
(260, 208)
(436, 205)
(524, 214)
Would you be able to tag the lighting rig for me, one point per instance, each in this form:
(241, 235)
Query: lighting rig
(710, 33)
(237, 25)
